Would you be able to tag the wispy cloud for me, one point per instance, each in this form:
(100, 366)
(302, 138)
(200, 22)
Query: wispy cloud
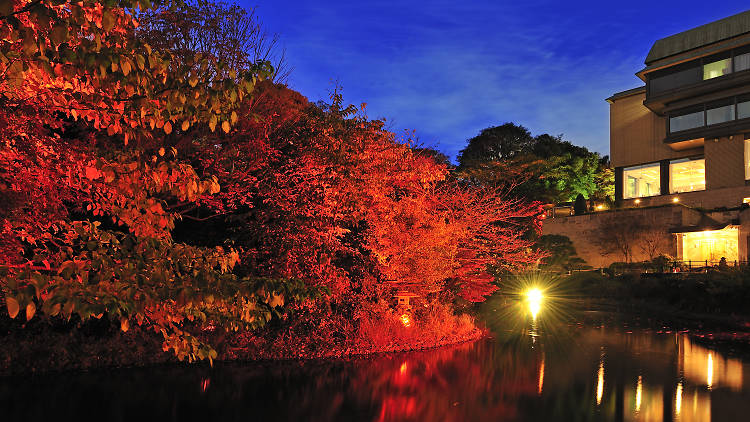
(448, 69)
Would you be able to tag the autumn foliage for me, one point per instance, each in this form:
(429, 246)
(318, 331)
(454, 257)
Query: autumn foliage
(188, 196)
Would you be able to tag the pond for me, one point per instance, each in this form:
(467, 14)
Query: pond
(575, 365)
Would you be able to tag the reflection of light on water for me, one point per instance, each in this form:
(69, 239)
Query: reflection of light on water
(600, 379)
(705, 367)
(541, 376)
(205, 383)
(638, 393)
(402, 369)
(678, 399)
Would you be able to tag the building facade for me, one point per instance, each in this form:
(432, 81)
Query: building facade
(681, 143)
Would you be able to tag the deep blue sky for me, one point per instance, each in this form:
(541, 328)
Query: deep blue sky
(448, 69)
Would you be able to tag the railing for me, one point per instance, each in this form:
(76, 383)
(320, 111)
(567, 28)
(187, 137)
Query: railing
(705, 264)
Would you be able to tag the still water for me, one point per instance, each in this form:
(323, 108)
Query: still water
(581, 366)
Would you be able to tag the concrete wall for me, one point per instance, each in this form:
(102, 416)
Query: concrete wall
(584, 231)
(725, 162)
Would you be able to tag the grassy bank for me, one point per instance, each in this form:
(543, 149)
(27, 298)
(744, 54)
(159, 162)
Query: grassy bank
(54, 344)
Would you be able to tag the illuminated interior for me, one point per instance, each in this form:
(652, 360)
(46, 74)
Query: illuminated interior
(687, 175)
(717, 68)
(711, 245)
(641, 181)
(747, 159)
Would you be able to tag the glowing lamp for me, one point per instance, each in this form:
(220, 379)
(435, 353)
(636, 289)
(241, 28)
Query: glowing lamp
(675, 199)
(406, 320)
(600, 207)
(534, 299)
(637, 201)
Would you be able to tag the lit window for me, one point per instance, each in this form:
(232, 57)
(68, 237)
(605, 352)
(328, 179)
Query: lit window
(711, 245)
(640, 181)
(717, 68)
(687, 175)
(720, 114)
(686, 121)
(747, 159)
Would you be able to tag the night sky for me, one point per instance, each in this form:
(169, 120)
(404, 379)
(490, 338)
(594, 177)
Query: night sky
(448, 69)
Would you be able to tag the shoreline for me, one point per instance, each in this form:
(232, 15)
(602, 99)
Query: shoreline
(40, 349)
(33, 353)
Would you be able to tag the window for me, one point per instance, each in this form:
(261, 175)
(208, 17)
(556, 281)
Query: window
(711, 245)
(687, 175)
(675, 77)
(742, 62)
(743, 110)
(688, 120)
(719, 113)
(747, 159)
(640, 181)
(717, 68)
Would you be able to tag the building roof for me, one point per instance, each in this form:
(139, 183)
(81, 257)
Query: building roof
(701, 36)
(627, 93)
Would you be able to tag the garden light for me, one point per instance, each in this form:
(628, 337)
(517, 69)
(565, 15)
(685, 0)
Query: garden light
(534, 299)
(406, 320)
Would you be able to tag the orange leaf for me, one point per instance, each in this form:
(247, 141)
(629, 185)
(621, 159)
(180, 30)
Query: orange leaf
(12, 305)
(30, 311)
(92, 173)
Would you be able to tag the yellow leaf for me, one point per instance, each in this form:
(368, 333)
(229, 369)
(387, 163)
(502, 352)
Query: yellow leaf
(161, 152)
(30, 311)
(234, 117)
(168, 128)
(225, 126)
(124, 324)
(212, 123)
(185, 125)
(125, 66)
(12, 305)
(108, 21)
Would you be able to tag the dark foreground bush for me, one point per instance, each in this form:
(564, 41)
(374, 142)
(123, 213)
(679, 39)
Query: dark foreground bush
(718, 290)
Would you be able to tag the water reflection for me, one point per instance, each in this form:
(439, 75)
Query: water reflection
(600, 379)
(703, 366)
(570, 370)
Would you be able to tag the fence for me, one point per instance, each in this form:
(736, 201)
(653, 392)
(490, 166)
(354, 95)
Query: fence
(693, 265)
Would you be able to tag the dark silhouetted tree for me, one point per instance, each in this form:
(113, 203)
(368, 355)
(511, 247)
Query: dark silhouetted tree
(562, 255)
(579, 206)
(495, 143)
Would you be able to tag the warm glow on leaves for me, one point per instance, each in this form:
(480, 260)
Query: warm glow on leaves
(100, 217)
